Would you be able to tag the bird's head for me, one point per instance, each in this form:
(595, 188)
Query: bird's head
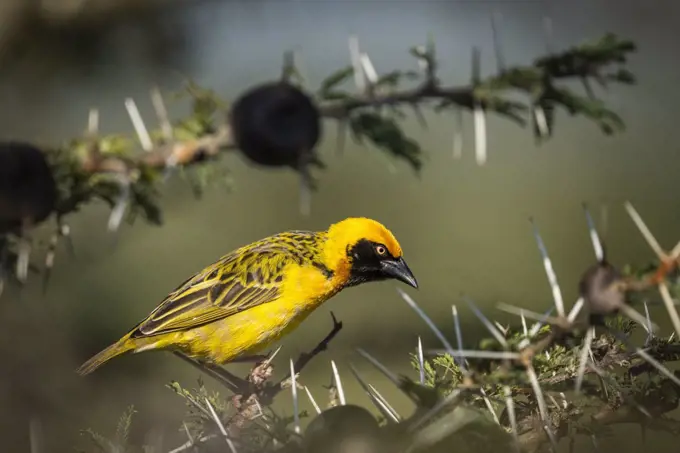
(364, 251)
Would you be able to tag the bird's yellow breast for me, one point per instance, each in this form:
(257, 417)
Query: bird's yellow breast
(304, 289)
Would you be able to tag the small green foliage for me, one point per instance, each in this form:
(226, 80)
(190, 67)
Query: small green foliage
(205, 105)
(332, 81)
(119, 443)
(385, 133)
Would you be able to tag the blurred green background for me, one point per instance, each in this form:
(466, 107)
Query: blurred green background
(463, 227)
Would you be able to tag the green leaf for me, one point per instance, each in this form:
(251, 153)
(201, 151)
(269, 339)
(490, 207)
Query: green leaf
(335, 79)
(103, 444)
(123, 428)
(386, 134)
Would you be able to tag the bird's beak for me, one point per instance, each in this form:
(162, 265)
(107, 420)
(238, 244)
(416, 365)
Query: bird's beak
(398, 269)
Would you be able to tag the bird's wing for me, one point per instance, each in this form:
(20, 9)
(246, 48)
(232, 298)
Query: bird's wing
(237, 282)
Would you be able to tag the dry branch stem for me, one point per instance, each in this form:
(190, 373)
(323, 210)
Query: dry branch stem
(254, 391)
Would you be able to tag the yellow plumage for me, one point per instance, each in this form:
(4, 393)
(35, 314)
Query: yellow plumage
(254, 295)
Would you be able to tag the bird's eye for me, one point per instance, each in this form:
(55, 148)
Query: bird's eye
(380, 250)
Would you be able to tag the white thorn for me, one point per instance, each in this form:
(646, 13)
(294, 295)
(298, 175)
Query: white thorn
(480, 134)
(312, 400)
(670, 307)
(138, 124)
(649, 237)
(35, 435)
(494, 355)
(186, 430)
(536, 327)
(551, 436)
(565, 403)
(161, 113)
(554, 402)
(525, 330)
(533, 379)
(355, 58)
(375, 396)
(656, 364)
(93, 122)
(269, 359)
(23, 258)
(450, 399)
(512, 418)
(428, 321)
(675, 253)
(393, 413)
(338, 384)
(459, 338)
(369, 69)
(550, 273)
(421, 361)
(490, 327)
(583, 358)
(501, 329)
(594, 237)
(575, 310)
(541, 121)
(648, 319)
(637, 317)
(382, 368)
(489, 406)
(231, 445)
(118, 211)
(541, 318)
(293, 386)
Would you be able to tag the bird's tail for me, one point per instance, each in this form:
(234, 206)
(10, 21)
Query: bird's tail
(122, 346)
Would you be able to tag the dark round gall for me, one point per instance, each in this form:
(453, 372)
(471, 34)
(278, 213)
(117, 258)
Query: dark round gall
(343, 429)
(28, 190)
(601, 292)
(275, 124)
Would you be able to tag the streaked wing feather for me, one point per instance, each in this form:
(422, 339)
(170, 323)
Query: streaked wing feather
(241, 280)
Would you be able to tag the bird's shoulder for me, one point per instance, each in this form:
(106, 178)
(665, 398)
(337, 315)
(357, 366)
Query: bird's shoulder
(261, 262)
(274, 253)
(249, 276)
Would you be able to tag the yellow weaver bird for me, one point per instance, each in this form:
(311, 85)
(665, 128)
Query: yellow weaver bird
(253, 296)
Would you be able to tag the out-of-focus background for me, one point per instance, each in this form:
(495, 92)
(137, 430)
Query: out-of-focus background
(463, 227)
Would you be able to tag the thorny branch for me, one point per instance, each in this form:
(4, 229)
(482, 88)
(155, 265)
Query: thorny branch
(112, 169)
(254, 392)
(574, 374)
(633, 385)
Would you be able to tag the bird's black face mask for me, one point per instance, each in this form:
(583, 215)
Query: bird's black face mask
(372, 262)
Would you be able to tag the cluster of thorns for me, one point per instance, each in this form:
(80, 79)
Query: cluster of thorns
(603, 295)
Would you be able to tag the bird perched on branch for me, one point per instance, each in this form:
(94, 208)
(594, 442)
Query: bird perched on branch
(251, 297)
